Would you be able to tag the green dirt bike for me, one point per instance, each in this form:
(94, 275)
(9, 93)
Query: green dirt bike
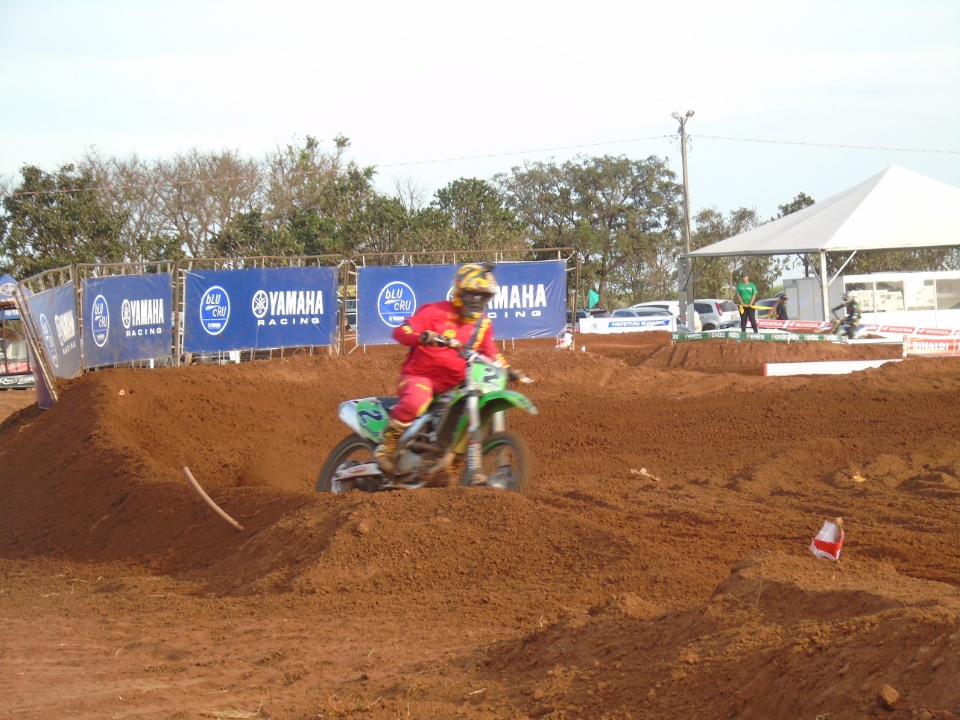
(461, 433)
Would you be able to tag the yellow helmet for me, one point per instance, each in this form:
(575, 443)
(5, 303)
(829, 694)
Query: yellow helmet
(473, 287)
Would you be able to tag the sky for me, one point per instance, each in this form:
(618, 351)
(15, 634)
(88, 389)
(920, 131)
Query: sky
(811, 97)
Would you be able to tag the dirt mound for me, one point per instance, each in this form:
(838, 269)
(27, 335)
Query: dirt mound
(686, 590)
(750, 356)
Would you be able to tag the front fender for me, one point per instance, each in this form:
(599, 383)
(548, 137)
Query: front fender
(504, 400)
(489, 405)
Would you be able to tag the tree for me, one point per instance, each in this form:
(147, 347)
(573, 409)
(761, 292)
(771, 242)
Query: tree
(632, 213)
(798, 203)
(55, 220)
(313, 197)
(478, 217)
(621, 216)
(132, 189)
(541, 196)
(246, 236)
(382, 225)
(204, 195)
(715, 277)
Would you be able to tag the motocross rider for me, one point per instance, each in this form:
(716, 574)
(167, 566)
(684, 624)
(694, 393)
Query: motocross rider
(852, 319)
(431, 369)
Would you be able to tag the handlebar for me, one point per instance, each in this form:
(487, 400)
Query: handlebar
(432, 339)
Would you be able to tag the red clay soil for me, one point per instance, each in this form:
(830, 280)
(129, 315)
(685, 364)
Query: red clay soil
(685, 591)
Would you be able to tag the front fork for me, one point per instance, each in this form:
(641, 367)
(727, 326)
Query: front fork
(474, 450)
(474, 454)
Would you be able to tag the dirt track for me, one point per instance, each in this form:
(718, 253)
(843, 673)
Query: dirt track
(605, 594)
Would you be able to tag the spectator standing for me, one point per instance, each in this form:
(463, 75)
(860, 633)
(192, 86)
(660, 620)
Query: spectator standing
(782, 308)
(746, 295)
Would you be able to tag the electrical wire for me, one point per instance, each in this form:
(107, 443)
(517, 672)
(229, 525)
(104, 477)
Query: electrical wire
(828, 145)
(526, 152)
(109, 188)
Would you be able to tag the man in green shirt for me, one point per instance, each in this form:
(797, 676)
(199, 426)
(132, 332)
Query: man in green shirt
(744, 297)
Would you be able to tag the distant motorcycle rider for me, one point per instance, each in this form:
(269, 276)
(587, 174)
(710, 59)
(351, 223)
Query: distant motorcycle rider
(431, 369)
(851, 321)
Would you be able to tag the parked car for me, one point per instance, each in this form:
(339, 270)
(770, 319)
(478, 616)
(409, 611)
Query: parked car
(641, 312)
(717, 314)
(651, 312)
(674, 307)
(583, 313)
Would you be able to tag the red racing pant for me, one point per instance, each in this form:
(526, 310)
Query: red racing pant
(415, 394)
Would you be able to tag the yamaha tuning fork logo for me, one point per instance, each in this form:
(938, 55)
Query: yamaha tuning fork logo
(287, 307)
(145, 316)
(260, 304)
(396, 303)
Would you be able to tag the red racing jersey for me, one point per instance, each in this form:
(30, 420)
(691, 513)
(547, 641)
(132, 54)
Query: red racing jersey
(441, 363)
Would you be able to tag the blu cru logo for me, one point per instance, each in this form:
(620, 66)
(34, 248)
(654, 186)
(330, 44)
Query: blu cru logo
(100, 320)
(396, 303)
(215, 310)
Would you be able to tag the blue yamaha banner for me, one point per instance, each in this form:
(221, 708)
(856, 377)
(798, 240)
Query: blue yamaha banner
(7, 285)
(126, 318)
(259, 309)
(55, 314)
(531, 301)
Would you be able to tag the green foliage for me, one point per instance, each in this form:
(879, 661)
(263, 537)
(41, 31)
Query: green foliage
(893, 260)
(315, 199)
(621, 216)
(798, 203)
(716, 277)
(55, 220)
(477, 216)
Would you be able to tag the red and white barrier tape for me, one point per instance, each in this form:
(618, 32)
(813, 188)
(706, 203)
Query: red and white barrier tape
(905, 330)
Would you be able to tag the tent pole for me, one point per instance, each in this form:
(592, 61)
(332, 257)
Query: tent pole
(824, 284)
(683, 282)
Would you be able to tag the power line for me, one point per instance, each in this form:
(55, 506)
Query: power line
(492, 155)
(828, 145)
(526, 152)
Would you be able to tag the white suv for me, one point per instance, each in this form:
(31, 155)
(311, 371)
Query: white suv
(717, 314)
(673, 306)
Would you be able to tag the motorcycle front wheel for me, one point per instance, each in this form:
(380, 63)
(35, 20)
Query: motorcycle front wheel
(352, 450)
(505, 460)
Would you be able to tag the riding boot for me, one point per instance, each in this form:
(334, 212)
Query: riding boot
(386, 452)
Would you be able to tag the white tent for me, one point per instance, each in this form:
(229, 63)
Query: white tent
(896, 209)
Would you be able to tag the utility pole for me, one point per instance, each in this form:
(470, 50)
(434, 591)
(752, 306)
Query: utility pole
(687, 289)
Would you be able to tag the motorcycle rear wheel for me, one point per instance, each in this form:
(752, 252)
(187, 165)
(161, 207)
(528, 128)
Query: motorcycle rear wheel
(505, 460)
(352, 449)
